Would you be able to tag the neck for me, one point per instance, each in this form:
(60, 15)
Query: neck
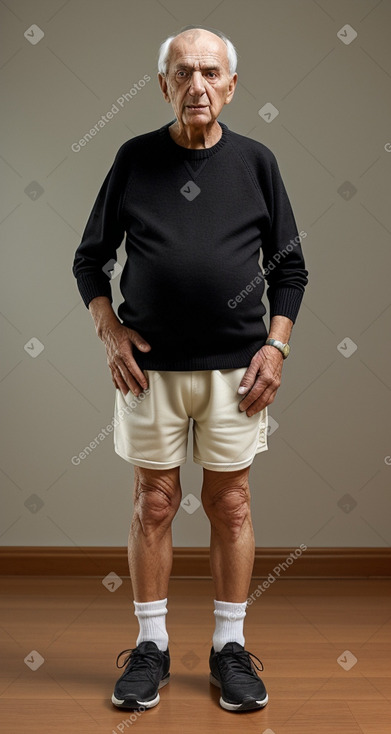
(195, 137)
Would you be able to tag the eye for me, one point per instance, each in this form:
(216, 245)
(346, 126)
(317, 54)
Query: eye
(212, 74)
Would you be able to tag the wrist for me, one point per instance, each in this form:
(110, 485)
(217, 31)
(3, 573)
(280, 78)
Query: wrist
(105, 319)
(280, 328)
(282, 347)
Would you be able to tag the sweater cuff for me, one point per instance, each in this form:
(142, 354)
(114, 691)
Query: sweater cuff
(286, 302)
(91, 285)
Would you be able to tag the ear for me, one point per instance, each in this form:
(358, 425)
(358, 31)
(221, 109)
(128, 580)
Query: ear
(164, 86)
(231, 88)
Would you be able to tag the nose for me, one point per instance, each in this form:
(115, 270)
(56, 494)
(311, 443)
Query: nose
(197, 87)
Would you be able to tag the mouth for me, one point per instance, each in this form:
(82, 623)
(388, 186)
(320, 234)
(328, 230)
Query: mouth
(196, 107)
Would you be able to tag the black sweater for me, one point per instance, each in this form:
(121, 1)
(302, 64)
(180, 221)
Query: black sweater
(197, 222)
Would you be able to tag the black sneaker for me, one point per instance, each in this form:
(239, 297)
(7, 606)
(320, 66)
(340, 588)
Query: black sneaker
(233, 671)
(146, 671)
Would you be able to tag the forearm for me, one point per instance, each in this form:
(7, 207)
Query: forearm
(280, 328)
(103, 315)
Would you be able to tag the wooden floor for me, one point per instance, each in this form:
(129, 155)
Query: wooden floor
(299, 629)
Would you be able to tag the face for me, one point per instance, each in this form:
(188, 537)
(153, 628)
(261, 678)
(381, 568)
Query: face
(198, 83)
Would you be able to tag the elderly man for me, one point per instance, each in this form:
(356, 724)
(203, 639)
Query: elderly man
(198, 203)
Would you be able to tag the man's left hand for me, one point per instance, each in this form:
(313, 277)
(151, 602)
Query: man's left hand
(261, 380)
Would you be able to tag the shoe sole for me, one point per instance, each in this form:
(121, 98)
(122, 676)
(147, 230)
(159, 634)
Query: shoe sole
(249, 703)
(134, 703)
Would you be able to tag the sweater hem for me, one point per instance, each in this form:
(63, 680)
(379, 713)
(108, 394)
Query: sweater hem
(180, 363)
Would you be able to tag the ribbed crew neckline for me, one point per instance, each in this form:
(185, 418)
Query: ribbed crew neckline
(193, 153)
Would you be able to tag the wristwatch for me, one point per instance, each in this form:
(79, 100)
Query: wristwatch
(283, 348)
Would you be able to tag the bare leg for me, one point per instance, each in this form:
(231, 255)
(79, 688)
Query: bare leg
(157, 496)
(226, 500)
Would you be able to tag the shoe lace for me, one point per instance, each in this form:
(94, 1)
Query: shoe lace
(138, 662)
(239, 661)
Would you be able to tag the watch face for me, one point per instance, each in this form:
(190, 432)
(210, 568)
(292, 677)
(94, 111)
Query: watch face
(286, 350)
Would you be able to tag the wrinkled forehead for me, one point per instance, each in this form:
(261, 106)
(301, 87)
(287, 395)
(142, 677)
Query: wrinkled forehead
(198, 48)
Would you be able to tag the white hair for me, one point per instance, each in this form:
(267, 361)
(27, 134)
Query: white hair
(164, 50)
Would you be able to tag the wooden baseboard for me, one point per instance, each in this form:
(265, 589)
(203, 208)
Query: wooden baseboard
(194, 562)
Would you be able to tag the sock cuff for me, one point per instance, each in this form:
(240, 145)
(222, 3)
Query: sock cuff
(150, 608)
(228, 605)
(230, 610)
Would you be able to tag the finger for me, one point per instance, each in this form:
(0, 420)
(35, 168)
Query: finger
(131, 380)
(130, 369)
(121, 378)
(257, 389)
(262, 402)
(248, 379)
(136, 339)
(119, 383)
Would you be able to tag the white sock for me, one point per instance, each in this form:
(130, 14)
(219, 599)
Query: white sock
(229, 618)
(152, 620)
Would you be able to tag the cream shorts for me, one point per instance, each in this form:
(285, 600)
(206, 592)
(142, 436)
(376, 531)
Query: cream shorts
(151, 430)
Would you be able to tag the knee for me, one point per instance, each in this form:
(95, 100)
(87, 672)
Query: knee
(228, 507)
(156, 499)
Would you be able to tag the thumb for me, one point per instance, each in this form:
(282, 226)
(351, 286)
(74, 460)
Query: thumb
(248, 379)
(139, 342)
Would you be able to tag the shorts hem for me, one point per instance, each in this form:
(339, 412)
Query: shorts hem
(231, 466)
(151, 464)
(216, 466)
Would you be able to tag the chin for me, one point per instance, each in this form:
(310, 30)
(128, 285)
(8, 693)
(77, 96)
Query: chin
(200, 117)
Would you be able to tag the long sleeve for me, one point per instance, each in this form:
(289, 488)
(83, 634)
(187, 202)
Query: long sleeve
(283, 262)
(102, 236)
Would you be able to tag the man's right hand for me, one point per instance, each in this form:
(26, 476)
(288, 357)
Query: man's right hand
(118, 339)
(125, 372)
